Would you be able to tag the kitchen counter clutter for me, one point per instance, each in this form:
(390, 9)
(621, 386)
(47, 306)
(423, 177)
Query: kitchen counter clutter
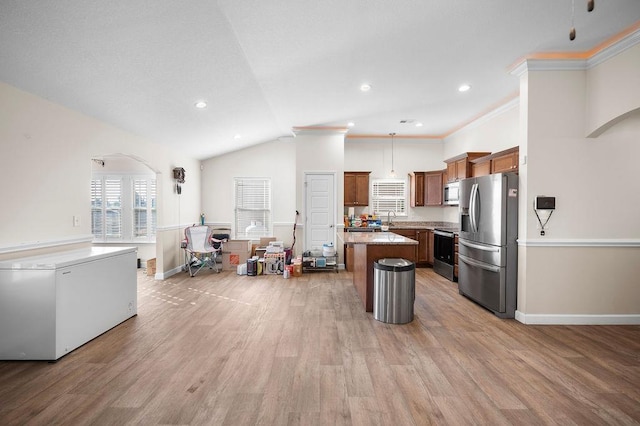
(52, 304)
(368, 247)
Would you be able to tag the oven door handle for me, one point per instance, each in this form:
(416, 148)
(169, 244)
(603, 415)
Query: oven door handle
(477, 264)
(479, 247)
(443, 234)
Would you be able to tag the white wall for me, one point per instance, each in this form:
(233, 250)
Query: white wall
(45, 156)
(319, 151)
(496, 131)
(409, 155)
(275, 160)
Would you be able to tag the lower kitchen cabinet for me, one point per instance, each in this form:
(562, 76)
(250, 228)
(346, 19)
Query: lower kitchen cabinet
(424, 237)
(455, 263)
(348, 258)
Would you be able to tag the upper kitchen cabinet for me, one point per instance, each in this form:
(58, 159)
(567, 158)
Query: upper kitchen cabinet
(505, 161)
(433, 182)
(426, 188)
(356, 188)
(417, 187)
(498, 162)
(459, 167)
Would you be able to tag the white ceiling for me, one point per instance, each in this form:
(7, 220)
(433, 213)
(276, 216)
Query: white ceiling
(266, 67)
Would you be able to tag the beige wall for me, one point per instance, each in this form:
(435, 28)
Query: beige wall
(611, 99)
(275, 160)
(585, 269)
(45, 155)
(581, 271)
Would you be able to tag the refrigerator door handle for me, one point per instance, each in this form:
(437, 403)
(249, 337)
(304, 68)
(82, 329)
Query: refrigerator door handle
(480, 265)
(473, 204)
(478, 246)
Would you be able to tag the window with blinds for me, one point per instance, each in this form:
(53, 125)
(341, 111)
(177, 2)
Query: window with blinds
(123, 208)
(389, 195)
(252, 207)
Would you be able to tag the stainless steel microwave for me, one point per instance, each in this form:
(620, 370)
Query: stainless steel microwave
(452, 193)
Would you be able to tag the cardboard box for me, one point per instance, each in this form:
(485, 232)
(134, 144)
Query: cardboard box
(151, 267)
(230, 261)
(237, 246)
(264, 241)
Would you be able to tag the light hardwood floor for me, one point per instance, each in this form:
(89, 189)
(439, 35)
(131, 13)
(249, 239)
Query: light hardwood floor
(223, 349)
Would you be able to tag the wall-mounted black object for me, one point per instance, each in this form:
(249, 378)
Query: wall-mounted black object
(545, 203)
(178, 174)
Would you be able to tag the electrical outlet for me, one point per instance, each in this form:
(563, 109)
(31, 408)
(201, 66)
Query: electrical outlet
(76, 221)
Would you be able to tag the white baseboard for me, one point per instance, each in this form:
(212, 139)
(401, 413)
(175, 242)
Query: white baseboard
(576, 319)
(169, 273)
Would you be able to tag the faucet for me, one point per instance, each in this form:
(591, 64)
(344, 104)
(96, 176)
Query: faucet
(389, 223)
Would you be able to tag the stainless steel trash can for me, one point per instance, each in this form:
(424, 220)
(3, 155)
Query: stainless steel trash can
(394, 290)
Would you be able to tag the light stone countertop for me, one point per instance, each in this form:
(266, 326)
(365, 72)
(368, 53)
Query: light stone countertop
(375, 238)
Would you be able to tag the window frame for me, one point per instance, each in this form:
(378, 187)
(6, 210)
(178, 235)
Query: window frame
(403, 199)
(267, 210)
(127, 208)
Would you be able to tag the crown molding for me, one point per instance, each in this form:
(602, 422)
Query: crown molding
(577, 61)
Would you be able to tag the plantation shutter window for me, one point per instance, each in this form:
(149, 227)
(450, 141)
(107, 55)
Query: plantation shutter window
(113, 209)
(123, 208)
(97, 219)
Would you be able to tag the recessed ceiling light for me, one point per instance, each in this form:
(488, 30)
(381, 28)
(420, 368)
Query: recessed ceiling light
(464, 88)
(351, 124)
(237, 136)
(201, 104)
(365, 87)
(418, 124)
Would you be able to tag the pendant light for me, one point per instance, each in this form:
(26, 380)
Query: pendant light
(393, 172)
(590, 7)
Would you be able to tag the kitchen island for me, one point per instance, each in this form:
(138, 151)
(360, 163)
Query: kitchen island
(369, 247)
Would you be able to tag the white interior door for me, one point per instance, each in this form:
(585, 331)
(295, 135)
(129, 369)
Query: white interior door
(320, 220)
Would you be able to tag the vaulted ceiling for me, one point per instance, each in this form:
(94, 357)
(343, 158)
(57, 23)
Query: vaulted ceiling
(267, 67)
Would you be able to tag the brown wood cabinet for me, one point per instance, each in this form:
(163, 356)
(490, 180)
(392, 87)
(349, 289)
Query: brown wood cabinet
(409, 233)
(426, 188)
(455, 262)
(481, 167)
(459, 167)
(506, 161)
(348, 258)
(498, 162)
(433, 182)
(430, 239)
(417, 188)
(356, 188)
(424, 237)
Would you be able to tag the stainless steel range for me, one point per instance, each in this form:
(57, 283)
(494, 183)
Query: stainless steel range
(444, 252)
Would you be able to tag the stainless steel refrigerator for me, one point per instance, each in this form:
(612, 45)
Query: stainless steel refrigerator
(487, 250)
